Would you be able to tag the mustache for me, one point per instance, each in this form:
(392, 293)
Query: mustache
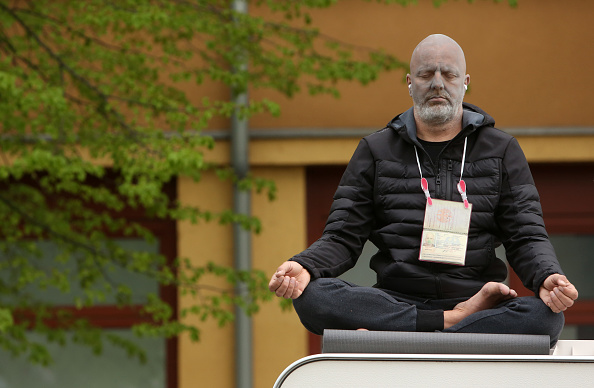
(443, 94)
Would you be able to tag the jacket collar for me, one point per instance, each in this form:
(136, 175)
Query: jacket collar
(472, 118)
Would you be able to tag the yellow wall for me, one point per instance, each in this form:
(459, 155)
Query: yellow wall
(279, 339)
(211, 360)
(302, 152)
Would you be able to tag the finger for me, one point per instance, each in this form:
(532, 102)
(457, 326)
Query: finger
(549, 304)
(561, 282)
(283, 285)
(282, 270)
(297, 291)
(553, 307)
(570, 291)
(275, 282)
(558, 279)
(292, 268)
(546, 300)
(554, 280)
(272, 284)
(567, 300)
(556, 304)
(290, 289)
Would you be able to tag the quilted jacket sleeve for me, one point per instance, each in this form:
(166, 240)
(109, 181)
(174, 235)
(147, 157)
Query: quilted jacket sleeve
(349, 223)
(519, 216)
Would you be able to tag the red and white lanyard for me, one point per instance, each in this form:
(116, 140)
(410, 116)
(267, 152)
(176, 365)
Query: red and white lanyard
(461, 185)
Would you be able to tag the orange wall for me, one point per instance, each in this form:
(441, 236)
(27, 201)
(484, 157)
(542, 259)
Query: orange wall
(529, 65)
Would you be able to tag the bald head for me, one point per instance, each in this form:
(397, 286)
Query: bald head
(441, 45)
(437, 81)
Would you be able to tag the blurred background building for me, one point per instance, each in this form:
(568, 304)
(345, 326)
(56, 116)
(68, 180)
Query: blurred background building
(530, 68)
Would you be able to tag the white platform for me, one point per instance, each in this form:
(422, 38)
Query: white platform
(571, 364)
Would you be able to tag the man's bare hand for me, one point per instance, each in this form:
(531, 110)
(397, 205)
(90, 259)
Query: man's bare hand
(558, 293)
(289, 280)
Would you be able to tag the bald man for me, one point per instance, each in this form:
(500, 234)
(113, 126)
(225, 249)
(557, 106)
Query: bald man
(436, 191)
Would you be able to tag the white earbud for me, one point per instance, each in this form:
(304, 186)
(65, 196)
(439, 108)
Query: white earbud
(465, 87)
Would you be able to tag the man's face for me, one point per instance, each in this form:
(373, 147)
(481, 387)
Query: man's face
(437, 82)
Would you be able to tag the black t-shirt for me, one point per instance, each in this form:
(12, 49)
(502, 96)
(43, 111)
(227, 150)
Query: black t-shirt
(433, 148)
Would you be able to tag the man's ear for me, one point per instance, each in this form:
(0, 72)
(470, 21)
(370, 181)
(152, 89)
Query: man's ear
(409, 82)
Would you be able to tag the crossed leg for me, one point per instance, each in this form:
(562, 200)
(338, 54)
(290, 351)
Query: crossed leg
(336, 304)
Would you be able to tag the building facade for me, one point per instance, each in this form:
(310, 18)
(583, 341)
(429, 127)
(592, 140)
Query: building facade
(529, 69)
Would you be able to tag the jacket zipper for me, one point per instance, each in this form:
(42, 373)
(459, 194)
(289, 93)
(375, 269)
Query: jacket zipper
(438, 181)
(438, 286)
(448, 193)
(438, 194)
(438, 292)
(448, 196)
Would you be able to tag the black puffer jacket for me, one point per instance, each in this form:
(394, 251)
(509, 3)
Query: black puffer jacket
(380, 198)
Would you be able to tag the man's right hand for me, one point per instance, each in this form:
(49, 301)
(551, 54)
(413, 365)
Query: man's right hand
(289, 280)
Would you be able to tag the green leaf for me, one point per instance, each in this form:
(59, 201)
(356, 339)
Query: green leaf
(6, 319)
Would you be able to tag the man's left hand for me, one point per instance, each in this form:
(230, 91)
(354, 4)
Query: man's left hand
(558, 293)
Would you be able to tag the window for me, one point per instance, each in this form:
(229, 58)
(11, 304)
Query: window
(75, 365)
(566, 191)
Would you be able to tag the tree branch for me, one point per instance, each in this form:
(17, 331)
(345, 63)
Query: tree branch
(50, 231)
(102, 96)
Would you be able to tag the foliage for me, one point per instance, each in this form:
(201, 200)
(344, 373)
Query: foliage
(95, 120)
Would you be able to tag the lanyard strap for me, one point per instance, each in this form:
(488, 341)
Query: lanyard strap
(424, 184)
(418, 162)
(461, 185)
(463, 157)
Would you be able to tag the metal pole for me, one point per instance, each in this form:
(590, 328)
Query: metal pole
(241, 237)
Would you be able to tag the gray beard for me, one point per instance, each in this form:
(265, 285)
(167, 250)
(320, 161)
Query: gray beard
(436, 114)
